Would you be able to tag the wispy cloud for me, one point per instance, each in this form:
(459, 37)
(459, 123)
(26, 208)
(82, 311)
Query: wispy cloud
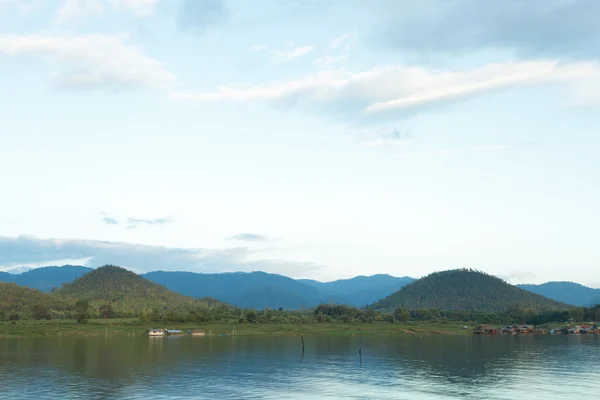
(26, 250)
(155, 221)
(110, 221)
(393, 138)
(90, 61)
(338, 41)
(248, 237)
(397, 90)
(294, 53)
(132, 223)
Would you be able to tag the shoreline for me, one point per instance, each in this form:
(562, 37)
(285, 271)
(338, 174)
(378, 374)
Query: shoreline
(132, 328)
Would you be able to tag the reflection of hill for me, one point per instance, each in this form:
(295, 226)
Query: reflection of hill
(271, 367)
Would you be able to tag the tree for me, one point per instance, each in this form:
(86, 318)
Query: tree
(41, 311)
(106, 311)
(82, 318)
(401, 314)
(81, 308)
(251, 316)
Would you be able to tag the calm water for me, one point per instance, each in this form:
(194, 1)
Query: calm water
(549, 367)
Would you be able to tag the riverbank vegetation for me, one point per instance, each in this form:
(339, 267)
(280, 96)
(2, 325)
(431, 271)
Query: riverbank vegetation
(110, 295)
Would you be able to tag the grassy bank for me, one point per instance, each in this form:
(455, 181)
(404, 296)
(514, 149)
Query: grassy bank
(133, 327)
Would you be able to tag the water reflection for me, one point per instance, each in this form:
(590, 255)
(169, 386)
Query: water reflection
(275, 367)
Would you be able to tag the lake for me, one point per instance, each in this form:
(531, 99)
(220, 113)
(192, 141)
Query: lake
(392, 367)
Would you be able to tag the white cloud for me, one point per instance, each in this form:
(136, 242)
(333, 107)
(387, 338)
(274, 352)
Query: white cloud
(294, 53)
(90, 61)
(75, 9)
(337, 42)
(32, 251)
(397, 88)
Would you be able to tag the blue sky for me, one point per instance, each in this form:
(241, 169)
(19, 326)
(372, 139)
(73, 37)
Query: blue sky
(320, 139)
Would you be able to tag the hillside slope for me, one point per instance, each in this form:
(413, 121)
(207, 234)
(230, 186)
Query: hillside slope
(128, 292)
(465, 290)
(566, 292)
(46, 278)
(18, 302)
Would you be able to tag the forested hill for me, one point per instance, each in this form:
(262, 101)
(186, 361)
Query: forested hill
(567, 292)
(465, 290)
(118, 285)
(17, 301)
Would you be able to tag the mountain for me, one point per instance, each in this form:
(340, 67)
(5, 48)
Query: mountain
(46, 278)
(127, 291)
(248, 290)
(595, 301)
(465, 290)
(566, 292)
(359, 290)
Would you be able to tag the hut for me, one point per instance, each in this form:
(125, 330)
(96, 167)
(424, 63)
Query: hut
(197, 332)
(508, 330)
(156, 332)
(486, 330)
(173, 332)
(586, 329)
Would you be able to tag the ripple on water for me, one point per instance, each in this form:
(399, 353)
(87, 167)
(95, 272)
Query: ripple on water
(274, 368)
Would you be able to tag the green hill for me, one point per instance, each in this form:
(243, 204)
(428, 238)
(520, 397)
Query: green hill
(128, 293)
(17, 302)
(465, 290)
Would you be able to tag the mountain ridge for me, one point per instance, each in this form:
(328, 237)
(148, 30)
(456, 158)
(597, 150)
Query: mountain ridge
(565, 291)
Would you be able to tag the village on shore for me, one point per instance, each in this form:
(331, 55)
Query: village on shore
(530, 329)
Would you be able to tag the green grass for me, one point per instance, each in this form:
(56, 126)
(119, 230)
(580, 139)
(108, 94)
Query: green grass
(133, 327)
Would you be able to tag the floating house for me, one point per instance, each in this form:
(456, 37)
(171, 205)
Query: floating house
(156, 332)
(586, 329)
(197, 332)
(508, 330)
(174, 332)
(486, 330)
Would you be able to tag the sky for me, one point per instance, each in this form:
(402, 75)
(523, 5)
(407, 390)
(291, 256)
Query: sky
(315, 139)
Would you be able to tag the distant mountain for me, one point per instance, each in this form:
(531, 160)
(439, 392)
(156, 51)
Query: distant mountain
(46, 278)
(249, 290)
(566, 292)
(360, 290)
(595, 301)
(465, 290)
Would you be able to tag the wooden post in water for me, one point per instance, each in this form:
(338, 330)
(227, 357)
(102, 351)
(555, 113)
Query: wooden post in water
(360, 349)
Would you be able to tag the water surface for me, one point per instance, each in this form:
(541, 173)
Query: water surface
(409, 367)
